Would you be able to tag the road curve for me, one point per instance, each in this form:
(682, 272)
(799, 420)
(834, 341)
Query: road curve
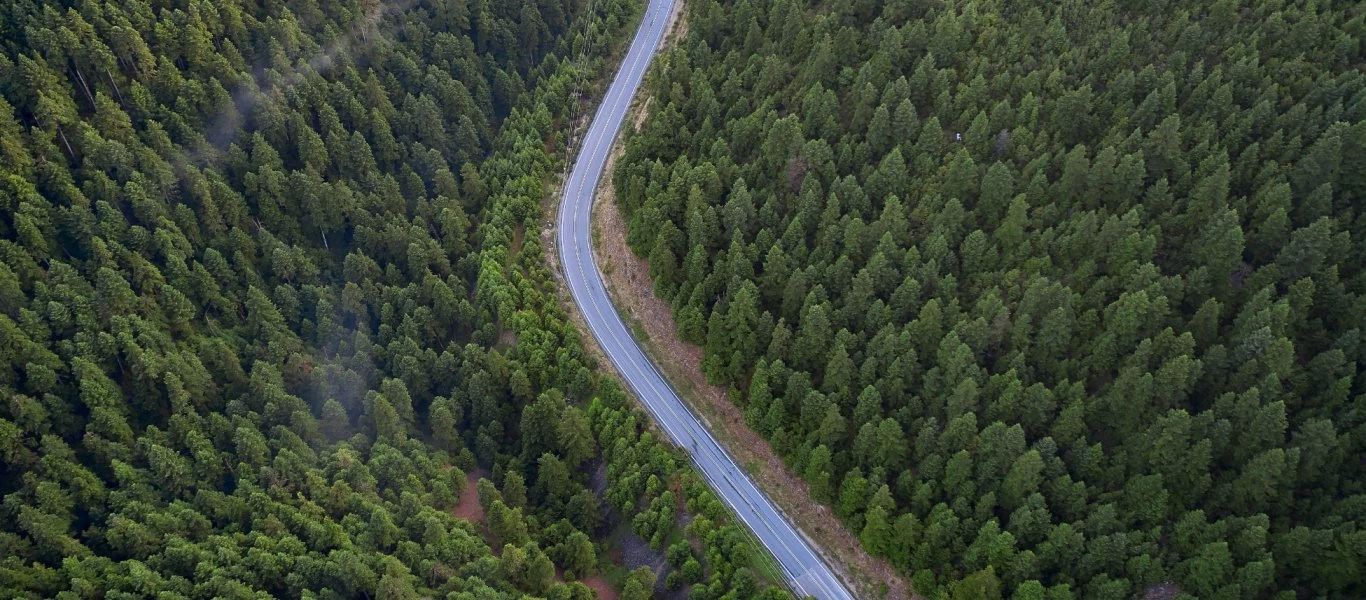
(804, 569)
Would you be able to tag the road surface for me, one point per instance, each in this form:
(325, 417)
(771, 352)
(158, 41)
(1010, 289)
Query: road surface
(804, 569)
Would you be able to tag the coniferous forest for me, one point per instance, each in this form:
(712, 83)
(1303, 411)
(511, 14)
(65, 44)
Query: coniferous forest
(1044, 299)
(270, 287)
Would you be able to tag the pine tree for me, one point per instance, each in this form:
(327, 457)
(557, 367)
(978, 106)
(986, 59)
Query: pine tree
(877, 532)
(819, 473)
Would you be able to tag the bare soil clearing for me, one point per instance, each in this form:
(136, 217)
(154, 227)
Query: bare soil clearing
(468, 507)
(601, 587)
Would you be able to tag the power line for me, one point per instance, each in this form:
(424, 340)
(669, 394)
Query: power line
(580, 68)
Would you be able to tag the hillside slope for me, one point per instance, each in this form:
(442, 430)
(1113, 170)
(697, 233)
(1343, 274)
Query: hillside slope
(1045, 299)
(264, 302)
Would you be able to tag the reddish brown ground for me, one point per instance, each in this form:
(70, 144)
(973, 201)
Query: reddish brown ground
(601, 587)
(468, 507)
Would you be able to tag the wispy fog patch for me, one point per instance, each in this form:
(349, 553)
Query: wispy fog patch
(224, 128)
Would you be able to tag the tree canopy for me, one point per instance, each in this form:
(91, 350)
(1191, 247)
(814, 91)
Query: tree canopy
(1047, 299)
(266, 298)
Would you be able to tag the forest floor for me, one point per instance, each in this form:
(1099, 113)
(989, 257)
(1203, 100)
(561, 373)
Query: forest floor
(601, 587)
(651, 320)
(627, 550)
(468, 507)
(597, 582)
(633, 552)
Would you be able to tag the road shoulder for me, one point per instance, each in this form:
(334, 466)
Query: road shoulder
(651, 322)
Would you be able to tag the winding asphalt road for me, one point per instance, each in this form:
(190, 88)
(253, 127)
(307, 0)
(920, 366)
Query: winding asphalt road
(804, 569)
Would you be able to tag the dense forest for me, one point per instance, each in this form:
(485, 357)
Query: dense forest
(1045, 299)
(265, 301)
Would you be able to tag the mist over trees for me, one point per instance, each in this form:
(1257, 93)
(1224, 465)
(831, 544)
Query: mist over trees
(1045, 300)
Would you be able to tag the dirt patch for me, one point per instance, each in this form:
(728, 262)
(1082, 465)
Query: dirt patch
(638, 119)
(632, 552)
(597, 477)
(1162, 591)
(518, 237)
(627, 548)
(601, 587)
(507, 338)
(468, 507)
(677, 27)
(597, 481)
